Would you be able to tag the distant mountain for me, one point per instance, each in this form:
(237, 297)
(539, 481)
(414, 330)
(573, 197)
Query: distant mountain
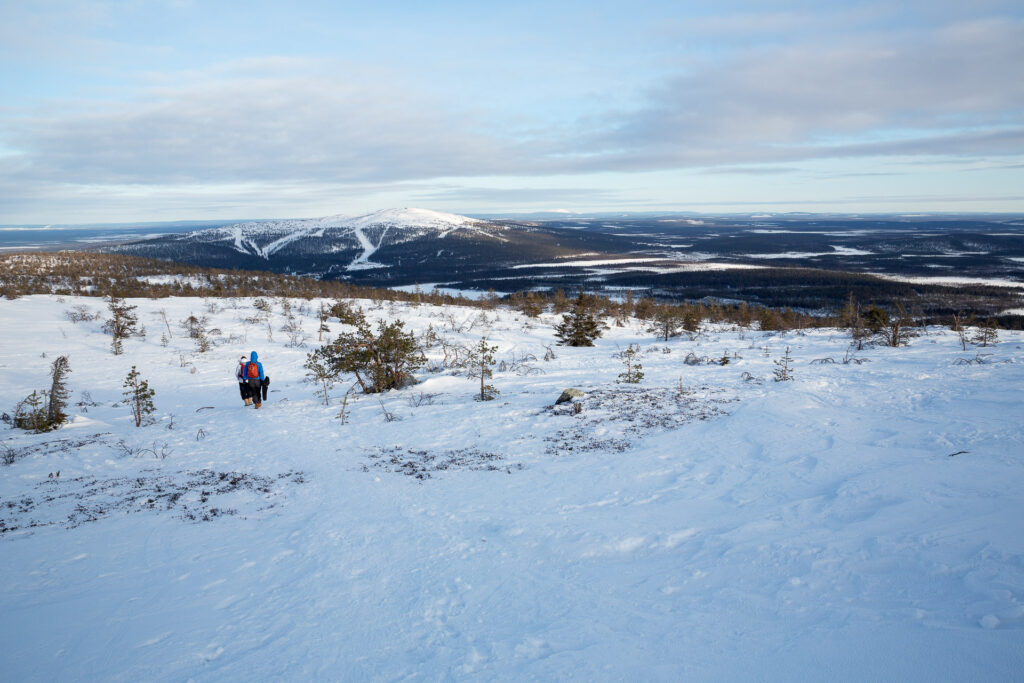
(393, 246)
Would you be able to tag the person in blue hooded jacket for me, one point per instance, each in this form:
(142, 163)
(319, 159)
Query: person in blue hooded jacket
(256, 380)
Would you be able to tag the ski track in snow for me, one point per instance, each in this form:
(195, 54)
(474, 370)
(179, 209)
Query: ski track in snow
(809, 530)
(363, 260)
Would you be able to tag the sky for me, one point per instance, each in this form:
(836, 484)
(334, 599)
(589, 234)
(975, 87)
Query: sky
(151, 110)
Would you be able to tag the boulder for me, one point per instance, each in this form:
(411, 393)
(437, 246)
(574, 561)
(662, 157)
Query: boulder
(568, 395)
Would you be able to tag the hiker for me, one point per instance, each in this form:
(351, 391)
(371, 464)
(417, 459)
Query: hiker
(254, 378)
(243, 386)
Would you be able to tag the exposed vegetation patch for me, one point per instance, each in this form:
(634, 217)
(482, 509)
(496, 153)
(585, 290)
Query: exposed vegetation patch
(195, 496)
(421, 463)
(612, 419)
(10, 454)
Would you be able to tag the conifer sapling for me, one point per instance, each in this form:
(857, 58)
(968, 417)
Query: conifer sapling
(783, 373)
(481, 360)
(138, 396)
(634, 370)
(59, 392)
(579, 327)
(121, 324)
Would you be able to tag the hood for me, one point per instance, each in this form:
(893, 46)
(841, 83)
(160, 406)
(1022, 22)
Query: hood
(253, 358)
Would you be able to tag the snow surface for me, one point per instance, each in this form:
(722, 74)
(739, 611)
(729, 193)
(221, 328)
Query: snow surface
(836, 251)
(953, 280)
(819, 529)
(678, 267)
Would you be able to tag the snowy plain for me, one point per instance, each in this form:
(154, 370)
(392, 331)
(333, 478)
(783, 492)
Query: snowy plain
(706, 524)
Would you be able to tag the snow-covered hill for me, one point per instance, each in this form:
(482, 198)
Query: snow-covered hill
(706, 524)
(336, 233)
(392, 247)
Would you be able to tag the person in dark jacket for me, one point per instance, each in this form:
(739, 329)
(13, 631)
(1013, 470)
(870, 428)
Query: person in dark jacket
(243, 385)
(254, 378)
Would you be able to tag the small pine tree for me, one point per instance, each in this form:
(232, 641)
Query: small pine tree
(346, 313)
(634, 370)
(691, 324)
(59, 393)
(769, 320)
(30, 413)
(876, 319)
(987, 334)
(193, 326)
(123, 323)
(380, 361)
(319, 372)
(666, 321)
(138, 396)
(579, 327)
(783, 372)
(481, 360)
(644, 308)
(531, 306)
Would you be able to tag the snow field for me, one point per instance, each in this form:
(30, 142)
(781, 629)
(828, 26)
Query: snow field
(742, 529)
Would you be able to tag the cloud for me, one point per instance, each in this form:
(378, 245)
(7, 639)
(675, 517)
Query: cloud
(750, 170)
(937, 92)
(300, 127)
(521, 195)
(285, 128)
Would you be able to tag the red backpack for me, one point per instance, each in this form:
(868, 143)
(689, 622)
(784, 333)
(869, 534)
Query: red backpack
(252, 371)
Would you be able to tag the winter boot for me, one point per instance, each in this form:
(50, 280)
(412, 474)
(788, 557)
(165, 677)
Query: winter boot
(248, 401)
(258, 406)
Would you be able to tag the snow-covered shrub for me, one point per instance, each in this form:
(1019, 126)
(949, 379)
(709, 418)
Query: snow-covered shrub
(196, 330)
(293, 328)
(42, 411)
(987, 334)
(81, 313)
(30, 413)
(320, 372)
(897, 330)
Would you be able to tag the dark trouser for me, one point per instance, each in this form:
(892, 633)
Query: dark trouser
(254, 389)
(263, 387)
(243, 389)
